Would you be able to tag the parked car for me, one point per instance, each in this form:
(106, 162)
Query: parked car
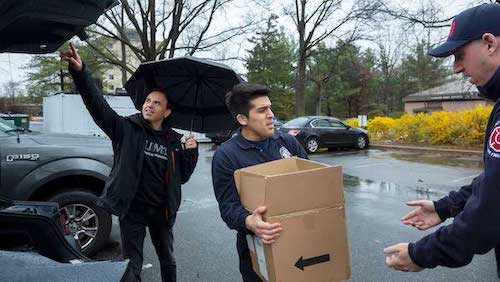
(36, 226)
(315, 132)
(59, 168)
(32, 237)
(222, 136)
(66, 169)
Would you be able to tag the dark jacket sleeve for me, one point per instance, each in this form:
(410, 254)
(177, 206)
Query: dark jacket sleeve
(454, 203)
(103, 115)
(232, 211)
(189, 158)
(475, 230)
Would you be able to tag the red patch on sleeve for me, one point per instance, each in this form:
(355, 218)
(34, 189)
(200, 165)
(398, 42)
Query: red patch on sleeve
(495, 139)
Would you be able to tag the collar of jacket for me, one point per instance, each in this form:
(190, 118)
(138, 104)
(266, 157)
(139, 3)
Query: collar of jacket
(491, 90)
(170, 134)
(245, 144)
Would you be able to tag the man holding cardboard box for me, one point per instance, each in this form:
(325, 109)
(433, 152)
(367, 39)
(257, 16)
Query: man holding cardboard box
(256, 143)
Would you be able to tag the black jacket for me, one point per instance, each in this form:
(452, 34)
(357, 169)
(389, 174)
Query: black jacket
(476, 225)
(127, 135)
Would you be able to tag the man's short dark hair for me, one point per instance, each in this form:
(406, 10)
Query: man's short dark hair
(164, 92)
(238, 99)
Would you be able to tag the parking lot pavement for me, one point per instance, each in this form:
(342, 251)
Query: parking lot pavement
(425, 171)
(376, 185)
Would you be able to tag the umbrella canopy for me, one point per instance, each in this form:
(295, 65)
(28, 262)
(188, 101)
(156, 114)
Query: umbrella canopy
(196, 89)
(42, 26)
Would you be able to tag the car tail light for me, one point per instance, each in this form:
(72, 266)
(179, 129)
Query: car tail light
(64, 222)
(294, 132)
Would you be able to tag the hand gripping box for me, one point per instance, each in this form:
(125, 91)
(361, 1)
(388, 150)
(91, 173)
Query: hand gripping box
(306, 197)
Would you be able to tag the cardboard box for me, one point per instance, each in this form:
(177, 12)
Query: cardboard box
(306, 198)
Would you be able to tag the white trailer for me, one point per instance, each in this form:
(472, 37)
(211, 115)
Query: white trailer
(66, 113)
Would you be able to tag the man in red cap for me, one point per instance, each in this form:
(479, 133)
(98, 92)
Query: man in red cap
(474, 41)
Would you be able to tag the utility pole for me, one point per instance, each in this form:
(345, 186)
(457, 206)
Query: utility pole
(11, 82)
(124, 57)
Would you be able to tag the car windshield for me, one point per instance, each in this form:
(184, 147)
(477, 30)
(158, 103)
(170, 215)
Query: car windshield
(297, 122)
(6, 126)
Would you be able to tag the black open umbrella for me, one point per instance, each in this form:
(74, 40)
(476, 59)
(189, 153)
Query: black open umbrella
(195, 87)
(42, 26)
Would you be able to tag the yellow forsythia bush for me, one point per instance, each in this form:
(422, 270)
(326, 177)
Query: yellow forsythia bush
(445, 127)
(380, 128)
(411, 128)
(436, 128)
(352, 122)
(476, 121)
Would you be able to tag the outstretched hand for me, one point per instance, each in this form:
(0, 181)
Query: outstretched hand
(423, 217)
(72, 57)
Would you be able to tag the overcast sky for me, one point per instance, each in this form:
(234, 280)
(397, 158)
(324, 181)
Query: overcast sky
(15, 70)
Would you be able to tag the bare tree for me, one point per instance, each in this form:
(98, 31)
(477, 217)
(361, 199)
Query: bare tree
(11, 89)
(156, 29)
(428, 14)
(316, 21)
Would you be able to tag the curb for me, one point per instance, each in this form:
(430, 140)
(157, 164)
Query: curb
(412, 148)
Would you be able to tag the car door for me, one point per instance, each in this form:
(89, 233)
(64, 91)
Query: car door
(340, 132)
(322, 128)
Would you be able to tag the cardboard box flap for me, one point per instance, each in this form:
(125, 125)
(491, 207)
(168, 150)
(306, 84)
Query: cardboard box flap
(283, 166)
(290, 185)
(254, 195)
(296, 192)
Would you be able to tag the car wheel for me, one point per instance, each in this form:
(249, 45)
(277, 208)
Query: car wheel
(361, 142)
(87, 223)
(312, 145)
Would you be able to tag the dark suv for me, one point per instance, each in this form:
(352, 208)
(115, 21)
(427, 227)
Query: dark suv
(67, 169)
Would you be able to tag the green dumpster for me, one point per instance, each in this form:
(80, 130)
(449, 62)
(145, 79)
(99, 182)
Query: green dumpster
(19, 120)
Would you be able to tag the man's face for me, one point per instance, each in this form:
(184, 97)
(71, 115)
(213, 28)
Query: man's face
(475, 62)
(154, 108)
(260, 117)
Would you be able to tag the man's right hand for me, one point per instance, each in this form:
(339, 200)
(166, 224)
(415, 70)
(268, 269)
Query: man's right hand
(72, 57)
(423, 217)
(268, 232)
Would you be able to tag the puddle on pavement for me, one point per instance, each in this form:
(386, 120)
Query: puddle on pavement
(356, 184)
(473, 162)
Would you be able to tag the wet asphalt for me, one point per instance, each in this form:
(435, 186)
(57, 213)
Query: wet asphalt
(376, 186)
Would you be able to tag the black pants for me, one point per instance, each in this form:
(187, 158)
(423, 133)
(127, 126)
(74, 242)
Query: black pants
(246, 269)
(133, 230)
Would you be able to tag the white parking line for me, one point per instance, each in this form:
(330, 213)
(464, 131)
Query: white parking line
(463, 178)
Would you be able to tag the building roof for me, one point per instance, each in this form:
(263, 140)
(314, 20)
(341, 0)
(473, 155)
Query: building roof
(453, 90)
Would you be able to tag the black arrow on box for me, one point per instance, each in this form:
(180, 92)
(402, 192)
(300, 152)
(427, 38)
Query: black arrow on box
(301, 263)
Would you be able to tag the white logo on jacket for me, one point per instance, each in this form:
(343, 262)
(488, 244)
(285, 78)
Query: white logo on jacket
(285, 154)
(155, 150)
